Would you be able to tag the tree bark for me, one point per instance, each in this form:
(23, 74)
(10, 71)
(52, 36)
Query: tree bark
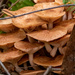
(69, 58)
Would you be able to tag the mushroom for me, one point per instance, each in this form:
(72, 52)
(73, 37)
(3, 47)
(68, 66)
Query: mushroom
(23, 60)
(48, 35)
(12, 55)
(49, 15)
(8, 39)
(41, 1)
(59, 1)
(32, 72)
(30, 49)
(59, 44)
(67, 24)
(7, 26)
(27, 22)
(48, 61)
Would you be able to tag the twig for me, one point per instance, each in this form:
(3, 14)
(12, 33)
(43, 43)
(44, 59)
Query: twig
(10, 7)
(4, 68)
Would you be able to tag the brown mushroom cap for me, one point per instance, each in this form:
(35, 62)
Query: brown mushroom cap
(9, 38)
(60, 42)
(41, 1)
(47, 61)
(28, 47)
(48, 35)
(49, 15)
(67, 24)
(7, 26)
(12, 55)
(23, 59)
(26, 21)
(31, 72)
(59, 1)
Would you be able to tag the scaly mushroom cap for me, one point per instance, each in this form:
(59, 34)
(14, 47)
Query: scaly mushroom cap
(49, 15)
(48, 61)
(28, 47)
(23, 59)
(26, 21)
(9, 38)
(11, 55)
(48, 35)
(31, 72)
(41, 1)
(60, 42)
(7, 26)
(67, 24)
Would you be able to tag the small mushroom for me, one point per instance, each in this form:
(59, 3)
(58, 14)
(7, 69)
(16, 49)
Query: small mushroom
(24, 59)
(8, 39)
(7, 26)
(12, 55)
(49, 15)
(67, 24)
(59, 44)
(29, 48)
(31, 72)
(48, 61)
(41, 1)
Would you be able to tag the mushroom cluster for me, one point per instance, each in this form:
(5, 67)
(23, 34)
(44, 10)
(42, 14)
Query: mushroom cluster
(33, 42)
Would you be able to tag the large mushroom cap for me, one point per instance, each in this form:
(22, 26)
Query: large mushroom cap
(9, 38)
(28, 47)
(11, 55)
(47, 61)
(7, 26)
(49, 15)
(26, 21)
(48, 35)
(31, 72)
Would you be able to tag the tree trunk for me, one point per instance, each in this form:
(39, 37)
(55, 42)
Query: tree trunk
(69, 59)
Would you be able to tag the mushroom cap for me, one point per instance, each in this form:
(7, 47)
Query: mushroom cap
(31, 72)
(9, 38)
(28, 47)
(26, 21)
(49, 35)
(60, 41)
(48, 61)
(49, 15)
(7, 26)
(67, 24)
(23, 59)
(41, 1)
(59, 1)
(11, 55)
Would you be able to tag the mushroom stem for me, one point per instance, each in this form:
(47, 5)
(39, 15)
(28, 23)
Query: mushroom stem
(69, 15)
(17, 68)
(25, 66)
(31, 40)
(50, 25)
(48, 47)
(64, 17)
(31, 62)
(53, 52)
(62, 50)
